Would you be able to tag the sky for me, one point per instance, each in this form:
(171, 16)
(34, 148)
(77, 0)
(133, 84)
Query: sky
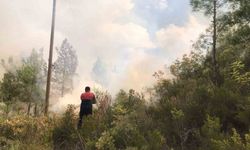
(119, 43)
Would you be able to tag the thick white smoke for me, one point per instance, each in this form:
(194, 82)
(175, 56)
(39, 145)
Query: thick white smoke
(115, 50)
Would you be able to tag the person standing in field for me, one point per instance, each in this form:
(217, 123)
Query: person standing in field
(87, 98)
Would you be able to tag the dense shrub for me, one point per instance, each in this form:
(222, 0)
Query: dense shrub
(64, 134)
(25, 132)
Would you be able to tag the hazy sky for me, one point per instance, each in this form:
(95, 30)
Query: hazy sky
(120, 43)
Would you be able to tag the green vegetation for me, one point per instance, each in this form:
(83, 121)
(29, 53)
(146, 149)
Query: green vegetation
(186, 112)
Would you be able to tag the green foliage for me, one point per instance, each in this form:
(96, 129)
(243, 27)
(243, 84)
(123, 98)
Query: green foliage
(64, 135)
(105, 142)
(239, 75)
(232, 142)
(9, 88)
(206, 6)
(189, 67)
(24, 83)
(185, 101)
(211, 128)
(27, 83)
(22, 132)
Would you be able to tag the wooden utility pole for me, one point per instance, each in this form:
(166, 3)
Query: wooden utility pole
(50, 59)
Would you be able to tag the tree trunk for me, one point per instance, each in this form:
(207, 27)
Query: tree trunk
(29, 106)
(35, 110)
(215, 66)
(7, 110)
(63, 79)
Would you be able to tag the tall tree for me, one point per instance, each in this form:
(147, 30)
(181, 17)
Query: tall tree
(27, 80)
(210, 8)
(32, 75)
(37, 61)
(65, 68)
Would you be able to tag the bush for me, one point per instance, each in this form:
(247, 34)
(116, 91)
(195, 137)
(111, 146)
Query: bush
(64, 135)
(23, 132)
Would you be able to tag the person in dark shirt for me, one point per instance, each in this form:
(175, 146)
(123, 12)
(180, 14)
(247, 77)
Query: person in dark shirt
(87, 99)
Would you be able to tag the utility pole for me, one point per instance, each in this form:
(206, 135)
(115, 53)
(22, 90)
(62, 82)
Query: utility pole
(50, 59)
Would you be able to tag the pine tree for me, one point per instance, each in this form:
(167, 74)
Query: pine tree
(65, 68)
(210, 8)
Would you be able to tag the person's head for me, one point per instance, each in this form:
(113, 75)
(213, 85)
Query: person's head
(87, 89)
